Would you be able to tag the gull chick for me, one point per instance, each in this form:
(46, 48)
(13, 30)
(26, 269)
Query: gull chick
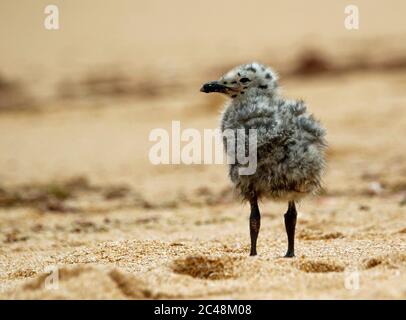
(290, 143)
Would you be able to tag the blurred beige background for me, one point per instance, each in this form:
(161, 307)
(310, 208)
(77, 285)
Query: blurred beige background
(178, 36)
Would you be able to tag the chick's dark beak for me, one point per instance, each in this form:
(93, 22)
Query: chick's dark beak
(213, 86)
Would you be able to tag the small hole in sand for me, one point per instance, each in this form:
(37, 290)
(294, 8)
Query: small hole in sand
(213, 268)
(319, 266)
(372, 263)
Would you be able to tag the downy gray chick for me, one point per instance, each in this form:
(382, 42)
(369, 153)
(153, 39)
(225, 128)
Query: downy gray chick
(290, 143)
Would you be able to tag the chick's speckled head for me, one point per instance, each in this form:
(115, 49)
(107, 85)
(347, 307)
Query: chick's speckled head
(246, 79)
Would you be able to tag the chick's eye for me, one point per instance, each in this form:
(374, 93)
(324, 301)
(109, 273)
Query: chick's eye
(244, 80)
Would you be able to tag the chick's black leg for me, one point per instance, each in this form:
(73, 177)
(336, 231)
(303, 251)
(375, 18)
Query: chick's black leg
(290, 225)
(255, 223)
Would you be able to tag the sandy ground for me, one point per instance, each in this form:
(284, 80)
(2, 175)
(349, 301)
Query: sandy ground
(119, 227)
(83, 212)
